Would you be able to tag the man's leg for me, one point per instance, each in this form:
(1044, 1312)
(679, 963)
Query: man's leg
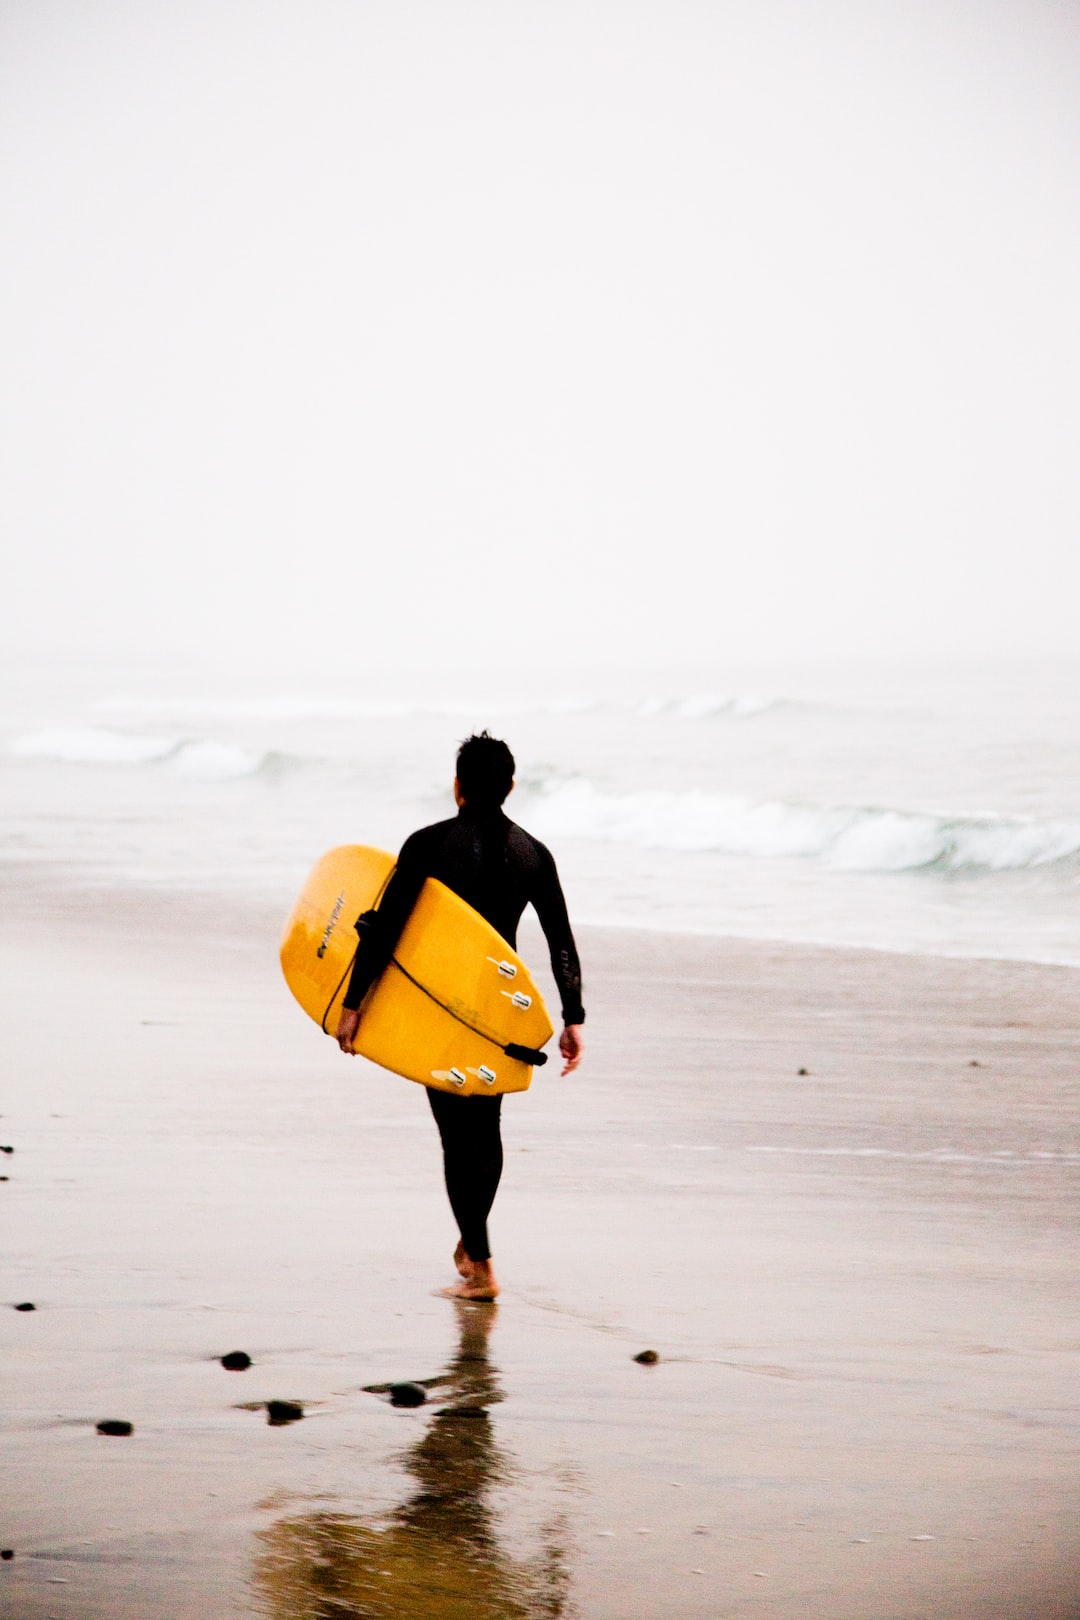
(472, 1163)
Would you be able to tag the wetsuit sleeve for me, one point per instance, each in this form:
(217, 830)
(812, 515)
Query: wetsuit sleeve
(377, 942)
(550, 906)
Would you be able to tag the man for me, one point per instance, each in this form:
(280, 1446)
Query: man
(498, 869)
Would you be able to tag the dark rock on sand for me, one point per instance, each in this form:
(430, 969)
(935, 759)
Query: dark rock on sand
(407, 1395)
(27, 1305)
(802, 1071)
(236, 1361)
(7, 1150)
(6, 1553)
(647, 1358)
(115, 1426)
(278, 1412)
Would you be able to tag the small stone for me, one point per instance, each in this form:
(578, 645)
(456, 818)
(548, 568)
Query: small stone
(647, 1358)
(236, 1361)
(974, 1064)
(5, 1178)
(407, 1395)
(803, 1072)
(7, 1150)
(27, 1305)
(7, 1554)
(115, 1426)
(279, 1412)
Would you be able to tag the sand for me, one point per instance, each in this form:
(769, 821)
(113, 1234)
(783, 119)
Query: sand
(860, 1281)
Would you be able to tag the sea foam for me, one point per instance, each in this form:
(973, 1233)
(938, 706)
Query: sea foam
(195, 759)
(850, 837)
(93, 745)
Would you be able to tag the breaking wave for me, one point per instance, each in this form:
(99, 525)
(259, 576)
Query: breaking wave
(710, 706)
(195, 759)
(850, 837)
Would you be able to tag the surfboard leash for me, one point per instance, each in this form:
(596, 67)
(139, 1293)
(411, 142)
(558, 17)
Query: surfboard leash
(337, 991)
(524, 1054)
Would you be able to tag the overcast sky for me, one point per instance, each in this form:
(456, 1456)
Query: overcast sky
(657, 328)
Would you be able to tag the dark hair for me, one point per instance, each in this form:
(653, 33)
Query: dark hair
(485, 771)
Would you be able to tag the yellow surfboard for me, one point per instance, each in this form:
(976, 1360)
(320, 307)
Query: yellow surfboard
(453, 1003)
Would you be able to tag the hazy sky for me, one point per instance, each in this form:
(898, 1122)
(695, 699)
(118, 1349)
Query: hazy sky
(629, 331)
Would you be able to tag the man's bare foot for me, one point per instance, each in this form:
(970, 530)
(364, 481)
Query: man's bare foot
(478, 1284)
(462, 1261)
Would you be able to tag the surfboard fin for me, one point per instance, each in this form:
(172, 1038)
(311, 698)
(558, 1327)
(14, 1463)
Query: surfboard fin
(526, 1054)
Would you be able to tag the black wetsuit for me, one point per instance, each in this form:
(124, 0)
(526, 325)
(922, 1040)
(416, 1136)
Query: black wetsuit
(498, 869)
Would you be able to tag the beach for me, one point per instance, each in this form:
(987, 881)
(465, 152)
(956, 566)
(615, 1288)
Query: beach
(683, 397)
(832, 1189)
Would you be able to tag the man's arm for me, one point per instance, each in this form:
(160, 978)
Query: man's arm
(377, 942)
(550, 905)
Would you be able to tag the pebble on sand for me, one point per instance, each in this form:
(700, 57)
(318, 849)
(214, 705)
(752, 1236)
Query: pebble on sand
(802, 1071)
(278, 1412)
(115, 1426)
(236, 1361)
(407, 1395)
(647, 1358)
(7, 1553)
(27, 1305)
(6, 1149)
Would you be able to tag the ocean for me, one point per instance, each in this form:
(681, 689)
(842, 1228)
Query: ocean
(924, 809)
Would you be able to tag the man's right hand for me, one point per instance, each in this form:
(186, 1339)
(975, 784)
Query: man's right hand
(348, 1024)
(572, 1046)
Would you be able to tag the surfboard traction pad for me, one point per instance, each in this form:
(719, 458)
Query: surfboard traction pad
(453, 998)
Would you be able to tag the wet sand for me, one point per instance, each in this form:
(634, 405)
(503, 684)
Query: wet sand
(860, 1282)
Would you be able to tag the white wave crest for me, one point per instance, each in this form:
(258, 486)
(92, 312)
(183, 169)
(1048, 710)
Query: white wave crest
(707, 706)
(854, 838)
(92, 745)
(214, 762)
(196, 760)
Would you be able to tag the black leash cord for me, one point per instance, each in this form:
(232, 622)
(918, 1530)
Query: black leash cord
(524, 1054)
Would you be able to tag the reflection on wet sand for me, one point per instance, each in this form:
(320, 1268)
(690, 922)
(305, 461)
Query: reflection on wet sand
(436, 1555)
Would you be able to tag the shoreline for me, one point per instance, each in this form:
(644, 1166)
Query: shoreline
(865, 1398)
(71, 890)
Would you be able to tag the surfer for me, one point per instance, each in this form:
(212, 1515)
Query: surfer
(498, 869)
